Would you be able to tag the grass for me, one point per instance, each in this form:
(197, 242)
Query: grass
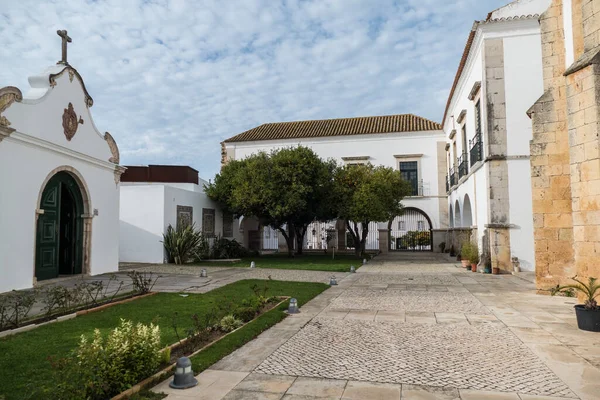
(24, 362)
(311, 262)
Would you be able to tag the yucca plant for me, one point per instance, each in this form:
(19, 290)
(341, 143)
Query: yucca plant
(179, 243)
(591, 290)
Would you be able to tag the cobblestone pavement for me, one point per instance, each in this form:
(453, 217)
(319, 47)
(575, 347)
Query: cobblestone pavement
(409, 328)
(482, 356)
(407, 300)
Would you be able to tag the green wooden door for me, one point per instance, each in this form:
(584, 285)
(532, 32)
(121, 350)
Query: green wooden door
(59, 241)
(46, 264)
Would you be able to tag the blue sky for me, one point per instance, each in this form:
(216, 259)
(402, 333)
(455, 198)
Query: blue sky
(173, 78)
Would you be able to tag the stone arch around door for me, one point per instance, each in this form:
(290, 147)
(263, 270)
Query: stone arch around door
(77, 189)
(411, 231)
(451, 216)
(457, 215)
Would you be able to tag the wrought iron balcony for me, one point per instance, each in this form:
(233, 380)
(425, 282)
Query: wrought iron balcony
(463, 165)
(447, 184)
(476, 149)
(453, 176)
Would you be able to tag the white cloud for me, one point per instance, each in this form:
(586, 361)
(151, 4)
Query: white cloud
(172, 78)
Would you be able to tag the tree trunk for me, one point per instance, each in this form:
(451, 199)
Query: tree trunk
(355, 237)
(365, 234)
(289, 240)
(300, 233)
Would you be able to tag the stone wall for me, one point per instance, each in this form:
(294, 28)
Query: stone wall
(565, 160)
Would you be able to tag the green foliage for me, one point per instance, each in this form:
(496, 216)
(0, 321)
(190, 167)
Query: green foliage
(442, 246)
(412, 239)
(590, 290)
(365, 193)
(290, 186)
(229, 323)
(245, 313)
(225, 248)
(469, 252)
(181, 242)
(102, 367)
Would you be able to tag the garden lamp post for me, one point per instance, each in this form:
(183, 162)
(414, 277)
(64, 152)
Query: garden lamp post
(293, 307)
(203, 273)
(184, 376)
(352, 269)
(252, 264)
(332, 281)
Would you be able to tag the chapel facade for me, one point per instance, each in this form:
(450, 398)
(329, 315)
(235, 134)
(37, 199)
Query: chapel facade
(60, 181)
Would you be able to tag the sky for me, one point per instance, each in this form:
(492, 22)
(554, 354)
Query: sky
(171, 79)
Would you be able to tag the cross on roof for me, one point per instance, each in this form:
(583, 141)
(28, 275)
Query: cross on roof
(65, 39)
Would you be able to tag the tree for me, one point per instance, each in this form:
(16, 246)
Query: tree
(286, 189)
(368, 194)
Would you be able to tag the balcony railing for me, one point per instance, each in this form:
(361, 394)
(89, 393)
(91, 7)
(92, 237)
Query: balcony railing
(447, 184)
(463, 165)
(476, 149)
(453, 176)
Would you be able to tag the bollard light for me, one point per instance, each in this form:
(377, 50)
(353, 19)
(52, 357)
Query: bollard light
(332, 281)
(203, 273)
(293, 307)
(252, 264)
(184, 376)
(352, 269)
(364, 261)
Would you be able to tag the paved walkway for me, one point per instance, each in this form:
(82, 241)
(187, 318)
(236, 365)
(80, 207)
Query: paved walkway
(412, 328)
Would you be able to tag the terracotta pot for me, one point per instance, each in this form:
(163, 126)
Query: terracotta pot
(473, 267)
(495, 271)
(465, 263)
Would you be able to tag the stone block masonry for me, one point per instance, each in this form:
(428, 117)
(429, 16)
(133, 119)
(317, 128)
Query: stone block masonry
(565, 156)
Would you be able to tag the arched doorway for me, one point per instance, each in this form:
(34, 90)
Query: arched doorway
(411, 231)
(457, 215)
(451, 217)
(60, 228)
(467, 216)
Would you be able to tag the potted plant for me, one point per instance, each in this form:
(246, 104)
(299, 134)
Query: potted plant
(588, 313)
(487, 263)
(452, 251)
(465, 255)
(474, 257)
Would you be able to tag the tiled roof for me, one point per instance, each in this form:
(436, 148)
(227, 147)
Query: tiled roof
(337, 127)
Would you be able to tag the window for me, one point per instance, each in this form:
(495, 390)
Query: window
(401, 226)
(208, 221)
(420, 225)
(227, 225)
(409, 172)
(464, 139)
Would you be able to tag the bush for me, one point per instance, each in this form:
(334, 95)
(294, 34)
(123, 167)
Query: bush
(229, 323)
(127, 355)
(181, 242)
(225, 248)
(15, 307)
(245, 313)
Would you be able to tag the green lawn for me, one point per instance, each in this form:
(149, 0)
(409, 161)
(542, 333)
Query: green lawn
(313, 262)
(23, 360)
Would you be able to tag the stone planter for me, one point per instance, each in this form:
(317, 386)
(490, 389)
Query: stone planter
(465, 263)
(587, 320)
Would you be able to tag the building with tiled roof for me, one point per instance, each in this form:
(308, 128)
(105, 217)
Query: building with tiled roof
(407, 142)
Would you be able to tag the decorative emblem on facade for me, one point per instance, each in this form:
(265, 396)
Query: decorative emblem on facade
(8, 95)
(114, 149)
(70, 122)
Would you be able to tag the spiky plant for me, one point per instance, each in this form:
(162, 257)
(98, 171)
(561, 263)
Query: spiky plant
(591, 290)
(179, 243)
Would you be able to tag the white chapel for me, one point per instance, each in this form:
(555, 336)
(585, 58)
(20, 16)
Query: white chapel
(59, 181)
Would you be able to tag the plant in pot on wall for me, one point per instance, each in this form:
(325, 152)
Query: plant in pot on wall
(588, 313)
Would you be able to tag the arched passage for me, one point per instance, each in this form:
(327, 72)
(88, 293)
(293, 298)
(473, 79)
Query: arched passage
(457, 215)
(411, 231)
(63, 225)
(451, 217)
(467, 216)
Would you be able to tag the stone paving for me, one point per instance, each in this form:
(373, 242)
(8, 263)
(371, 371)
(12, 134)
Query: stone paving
(453, 335)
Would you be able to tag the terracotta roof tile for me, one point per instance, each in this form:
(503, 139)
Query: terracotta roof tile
(337, 127)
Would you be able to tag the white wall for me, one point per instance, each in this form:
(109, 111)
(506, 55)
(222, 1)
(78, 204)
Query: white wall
(28, 156)
(141, 223)
(381, 149)
(521, 213)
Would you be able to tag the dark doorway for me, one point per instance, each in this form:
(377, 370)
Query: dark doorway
(59, 245)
